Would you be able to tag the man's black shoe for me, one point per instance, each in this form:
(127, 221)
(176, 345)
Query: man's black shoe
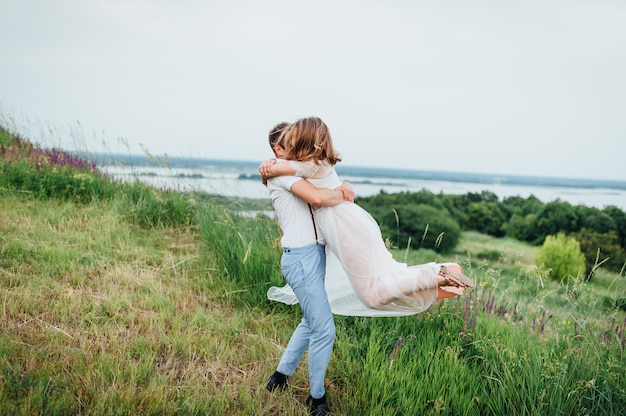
(277, 381)
(318, 406)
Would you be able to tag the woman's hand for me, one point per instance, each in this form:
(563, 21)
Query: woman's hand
(348, 193)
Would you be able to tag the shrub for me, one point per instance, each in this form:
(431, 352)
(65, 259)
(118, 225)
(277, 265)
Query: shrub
(562, 255)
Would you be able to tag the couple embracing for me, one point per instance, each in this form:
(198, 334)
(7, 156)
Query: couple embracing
(334, 257)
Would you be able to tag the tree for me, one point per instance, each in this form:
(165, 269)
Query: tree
(555, 217)
(521, 206)
(522, 227)
(595, 220)
(619, 217)
(485, 217)
(602, 248)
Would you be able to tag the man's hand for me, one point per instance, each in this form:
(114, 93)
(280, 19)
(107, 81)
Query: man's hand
(347, 191)
(265, 168)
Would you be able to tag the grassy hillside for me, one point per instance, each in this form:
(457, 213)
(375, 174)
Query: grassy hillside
(139, 301)
(103, 317)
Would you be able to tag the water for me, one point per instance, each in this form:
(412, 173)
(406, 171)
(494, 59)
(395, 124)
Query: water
(227, 180)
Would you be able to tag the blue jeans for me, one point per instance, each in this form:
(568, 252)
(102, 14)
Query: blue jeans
(304, 269)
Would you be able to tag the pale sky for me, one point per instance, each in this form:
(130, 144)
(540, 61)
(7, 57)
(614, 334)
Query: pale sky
(532, 87)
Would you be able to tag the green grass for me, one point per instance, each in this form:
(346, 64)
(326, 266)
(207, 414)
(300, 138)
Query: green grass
(103, 316)
(142, 301)
(100, 316)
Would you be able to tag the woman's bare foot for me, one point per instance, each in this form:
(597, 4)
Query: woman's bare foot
(453, 275)
(451, 281)
(444, 280)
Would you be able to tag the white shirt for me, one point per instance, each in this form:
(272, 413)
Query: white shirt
(294, 215)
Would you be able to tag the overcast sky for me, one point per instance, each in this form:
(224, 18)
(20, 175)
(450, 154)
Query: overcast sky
(532, 87)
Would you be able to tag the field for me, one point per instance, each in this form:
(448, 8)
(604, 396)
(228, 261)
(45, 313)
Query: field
(123, 299)
(102, 316)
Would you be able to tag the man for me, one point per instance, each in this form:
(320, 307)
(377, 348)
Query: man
(304, 265)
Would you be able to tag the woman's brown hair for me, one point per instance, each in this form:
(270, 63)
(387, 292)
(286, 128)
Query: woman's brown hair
(309, 139)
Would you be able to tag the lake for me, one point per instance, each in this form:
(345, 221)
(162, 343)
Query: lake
(240, 179)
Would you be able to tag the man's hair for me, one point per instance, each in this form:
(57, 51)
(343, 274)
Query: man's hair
(276, 132)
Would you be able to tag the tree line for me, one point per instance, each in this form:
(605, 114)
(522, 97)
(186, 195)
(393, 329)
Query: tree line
(427, 220)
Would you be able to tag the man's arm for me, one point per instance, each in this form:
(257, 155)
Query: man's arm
(272, 167)
(322, 197)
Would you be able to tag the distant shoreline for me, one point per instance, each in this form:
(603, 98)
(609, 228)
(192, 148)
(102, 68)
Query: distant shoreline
(105, 159)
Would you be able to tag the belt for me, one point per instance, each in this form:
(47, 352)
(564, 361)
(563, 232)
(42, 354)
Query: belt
(288, 250)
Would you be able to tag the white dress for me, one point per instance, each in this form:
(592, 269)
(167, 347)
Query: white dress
(362, 278)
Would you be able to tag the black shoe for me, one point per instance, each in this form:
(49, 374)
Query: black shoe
(277, 381)
(318, 406)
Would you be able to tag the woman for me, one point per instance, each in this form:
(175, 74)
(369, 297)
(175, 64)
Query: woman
(353, 236)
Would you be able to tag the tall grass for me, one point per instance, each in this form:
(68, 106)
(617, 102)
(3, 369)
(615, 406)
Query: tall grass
(143, 301)
(51, 173)
(245, 251)
(489, 352)
(100, 316)
(469, 356)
